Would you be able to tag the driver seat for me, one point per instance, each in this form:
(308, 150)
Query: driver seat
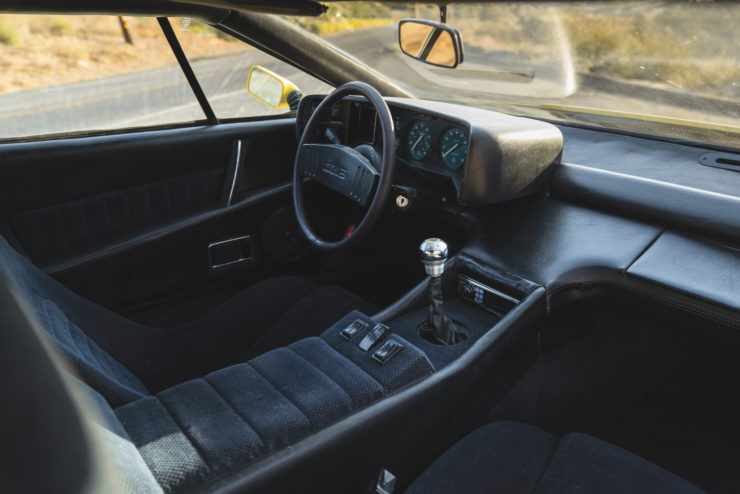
(124, 360)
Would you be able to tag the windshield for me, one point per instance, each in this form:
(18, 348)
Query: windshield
(645, 67)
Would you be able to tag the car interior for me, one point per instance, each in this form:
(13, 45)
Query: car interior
(370, 293)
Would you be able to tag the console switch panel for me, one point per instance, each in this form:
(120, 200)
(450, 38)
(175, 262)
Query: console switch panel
(350, 331)
(375, 335)
(387, 351)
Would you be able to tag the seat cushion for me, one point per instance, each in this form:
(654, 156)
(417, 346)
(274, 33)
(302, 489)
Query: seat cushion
(309, 316)
(124, 360)
(514, 458)
(206, 428)
(272, 313)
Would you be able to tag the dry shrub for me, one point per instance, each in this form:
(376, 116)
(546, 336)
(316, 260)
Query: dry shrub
(9, 35)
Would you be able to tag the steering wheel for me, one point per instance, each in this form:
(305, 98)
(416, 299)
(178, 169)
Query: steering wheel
(348, 171)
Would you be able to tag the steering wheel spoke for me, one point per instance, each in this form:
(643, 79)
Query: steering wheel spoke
(341, 169)
(363, 175)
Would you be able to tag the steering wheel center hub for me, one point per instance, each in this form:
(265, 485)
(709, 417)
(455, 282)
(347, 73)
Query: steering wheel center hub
(361, 174)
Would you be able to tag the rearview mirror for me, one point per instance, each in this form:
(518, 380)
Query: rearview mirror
(431, 42)
(270, 88)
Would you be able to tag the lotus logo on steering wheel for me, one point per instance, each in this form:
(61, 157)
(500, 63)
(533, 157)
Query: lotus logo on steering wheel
(335, 170)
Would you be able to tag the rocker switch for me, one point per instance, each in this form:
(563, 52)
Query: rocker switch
(375, 334)
(387, 351)
(350, 331)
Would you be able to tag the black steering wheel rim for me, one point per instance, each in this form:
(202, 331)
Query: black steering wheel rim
(385, 166)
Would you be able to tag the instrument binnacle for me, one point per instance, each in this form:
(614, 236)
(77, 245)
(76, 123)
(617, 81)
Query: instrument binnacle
(490, 157)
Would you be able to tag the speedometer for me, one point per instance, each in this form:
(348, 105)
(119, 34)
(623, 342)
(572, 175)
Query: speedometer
(419, 139)
(454, 147)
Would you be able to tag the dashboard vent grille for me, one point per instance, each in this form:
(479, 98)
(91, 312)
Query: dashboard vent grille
(726, 161)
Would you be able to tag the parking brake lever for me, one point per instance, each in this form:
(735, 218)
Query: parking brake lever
(438, 328)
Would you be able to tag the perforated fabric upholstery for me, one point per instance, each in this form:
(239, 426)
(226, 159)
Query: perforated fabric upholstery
(203, 428)
(124, 360)
(42, 296)
(131, 471)
(321, 307)
(514, 458)
(207, 427)
(95, 365)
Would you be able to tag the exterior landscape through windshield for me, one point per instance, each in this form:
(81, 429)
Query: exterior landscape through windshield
(648, 67)
(669, 69)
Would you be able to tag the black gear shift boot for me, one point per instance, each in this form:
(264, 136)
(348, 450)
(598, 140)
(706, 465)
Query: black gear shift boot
(438, 328)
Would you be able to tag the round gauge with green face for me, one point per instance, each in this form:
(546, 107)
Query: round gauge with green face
(454, 147)
(419, 139)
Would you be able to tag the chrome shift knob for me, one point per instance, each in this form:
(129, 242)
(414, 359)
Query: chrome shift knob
(433, 255)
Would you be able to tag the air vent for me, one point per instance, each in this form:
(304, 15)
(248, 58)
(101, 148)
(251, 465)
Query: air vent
(726, 161)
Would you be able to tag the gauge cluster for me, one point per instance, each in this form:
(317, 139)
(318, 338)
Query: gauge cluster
(433, 143)
(489, 157)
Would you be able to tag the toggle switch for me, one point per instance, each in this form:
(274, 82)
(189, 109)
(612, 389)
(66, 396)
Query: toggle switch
(350, 331)
(387, 351)
(375, 335)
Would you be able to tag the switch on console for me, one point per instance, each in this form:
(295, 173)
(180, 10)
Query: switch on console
(350, 331)
(387, 351)
(374, 336)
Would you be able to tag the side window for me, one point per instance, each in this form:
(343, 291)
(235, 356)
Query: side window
(68, 74)
(222, 64)
(64, 74)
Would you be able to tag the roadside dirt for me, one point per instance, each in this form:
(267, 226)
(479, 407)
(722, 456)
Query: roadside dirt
(53, 50)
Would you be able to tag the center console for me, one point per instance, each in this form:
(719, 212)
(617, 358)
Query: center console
(369, 389)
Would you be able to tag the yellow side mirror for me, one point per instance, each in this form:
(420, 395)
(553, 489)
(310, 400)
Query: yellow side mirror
(268, 87)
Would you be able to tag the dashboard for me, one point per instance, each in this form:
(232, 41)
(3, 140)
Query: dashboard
(490, 157)
(432, 143)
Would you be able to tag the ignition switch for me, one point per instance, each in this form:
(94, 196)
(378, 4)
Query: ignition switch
(404, 196)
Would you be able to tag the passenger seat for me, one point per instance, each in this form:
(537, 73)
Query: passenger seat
(514, 458)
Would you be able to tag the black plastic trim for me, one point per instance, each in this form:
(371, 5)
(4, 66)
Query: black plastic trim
(187, 70)
(726, 161)
(689, 208)
(157, 137)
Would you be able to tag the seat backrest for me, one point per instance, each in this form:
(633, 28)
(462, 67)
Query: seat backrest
(62, 315)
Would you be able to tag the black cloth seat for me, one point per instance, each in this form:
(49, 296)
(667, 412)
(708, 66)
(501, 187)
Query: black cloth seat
(125, 361)
(201, 431)
(514, 458)
(237, 408)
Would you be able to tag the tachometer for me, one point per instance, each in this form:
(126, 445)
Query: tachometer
(419, 139)
(454, 147)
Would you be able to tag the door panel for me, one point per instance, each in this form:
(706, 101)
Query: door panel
(173, 260)
(61, 232)
(127, 219)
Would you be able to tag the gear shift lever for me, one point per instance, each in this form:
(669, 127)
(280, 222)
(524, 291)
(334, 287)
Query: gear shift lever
(438, 328)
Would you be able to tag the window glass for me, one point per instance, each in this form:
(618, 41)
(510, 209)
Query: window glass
(652, 67)
(62, 74)
(221, 63)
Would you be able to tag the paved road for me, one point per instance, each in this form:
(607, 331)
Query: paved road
(163, 96)
(152, 97)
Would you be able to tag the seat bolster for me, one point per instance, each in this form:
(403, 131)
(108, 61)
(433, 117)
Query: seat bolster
(132, 472)
(502, 457)
(318, 310)
(206, 428)
(590, 465)
(166, 448)
(360, 386)
(514, 458)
